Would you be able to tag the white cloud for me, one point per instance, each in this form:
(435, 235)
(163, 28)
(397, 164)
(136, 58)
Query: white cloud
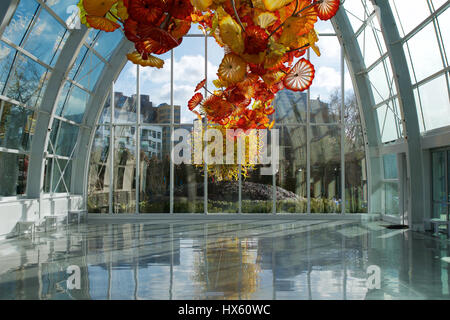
(4, 52)
(188, 69)
(327, 78)
(329, 47)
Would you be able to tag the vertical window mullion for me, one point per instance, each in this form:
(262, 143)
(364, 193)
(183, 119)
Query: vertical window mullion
(138, 135)
(111, 152)
(172, 120)
(205, 165)
(308, 146)
(342, 133)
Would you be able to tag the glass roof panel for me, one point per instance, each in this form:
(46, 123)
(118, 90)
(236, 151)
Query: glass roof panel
(46, 39)
(107, 42)
(7, 54)
(21, 21)
(90, 71)
(370, 46)
(409, 14)
(62, 98)
(444, 26)
(78, 62)
(389, 121)
(76, 105)
(27, 81)
(382, 82)
(423, 50)
(63, 8)
(435, 102)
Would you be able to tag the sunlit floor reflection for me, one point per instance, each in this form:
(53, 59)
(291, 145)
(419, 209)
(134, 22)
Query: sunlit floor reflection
(226, 260)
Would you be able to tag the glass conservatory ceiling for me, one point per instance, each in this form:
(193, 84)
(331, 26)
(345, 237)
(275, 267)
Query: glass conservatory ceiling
(39, 31)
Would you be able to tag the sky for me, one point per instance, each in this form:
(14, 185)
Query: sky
(189, 69)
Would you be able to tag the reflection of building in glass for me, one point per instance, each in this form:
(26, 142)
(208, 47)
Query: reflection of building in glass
(325, 146)
(154, 150)
(291, 108)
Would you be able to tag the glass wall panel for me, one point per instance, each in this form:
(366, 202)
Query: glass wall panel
(189, 69)
(390, 166)
(391, 198)
(188, 185)
(17, 125)
(61, 175)
(13, 173)
(155, 93)
(99, 172)
(324, 92)
(325, 169)
(64, 138)
(257, 189)
(125, 95)
(439, 178)
(356, 199)
(290, 107)
(441, 184)
(124, 193)
(291, 178)
(154, 181)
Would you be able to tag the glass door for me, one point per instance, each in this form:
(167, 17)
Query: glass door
(440, 175)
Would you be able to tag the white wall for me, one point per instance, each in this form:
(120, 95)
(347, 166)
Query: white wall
(13, 211)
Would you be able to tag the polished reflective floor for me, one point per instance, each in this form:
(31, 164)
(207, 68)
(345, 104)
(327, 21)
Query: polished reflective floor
(226, 260)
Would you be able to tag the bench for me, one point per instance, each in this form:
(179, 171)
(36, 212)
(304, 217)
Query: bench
(22, 228)
(436, 222)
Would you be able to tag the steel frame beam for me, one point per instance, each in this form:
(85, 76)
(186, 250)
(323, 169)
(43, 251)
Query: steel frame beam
(93, 111)
(7, 10)
(364, 95)
(47, 110)
(402, 79)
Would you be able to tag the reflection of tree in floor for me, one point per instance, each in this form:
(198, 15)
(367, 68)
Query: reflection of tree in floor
(229, 270)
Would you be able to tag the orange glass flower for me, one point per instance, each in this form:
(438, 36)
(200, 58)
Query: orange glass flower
(145, 60)
(101, 23)
(300, 77)
(256, 40)
(98, 8)
(327, 9)
(146, 11)
(195, 101)
(233, 68)
(181, 9)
